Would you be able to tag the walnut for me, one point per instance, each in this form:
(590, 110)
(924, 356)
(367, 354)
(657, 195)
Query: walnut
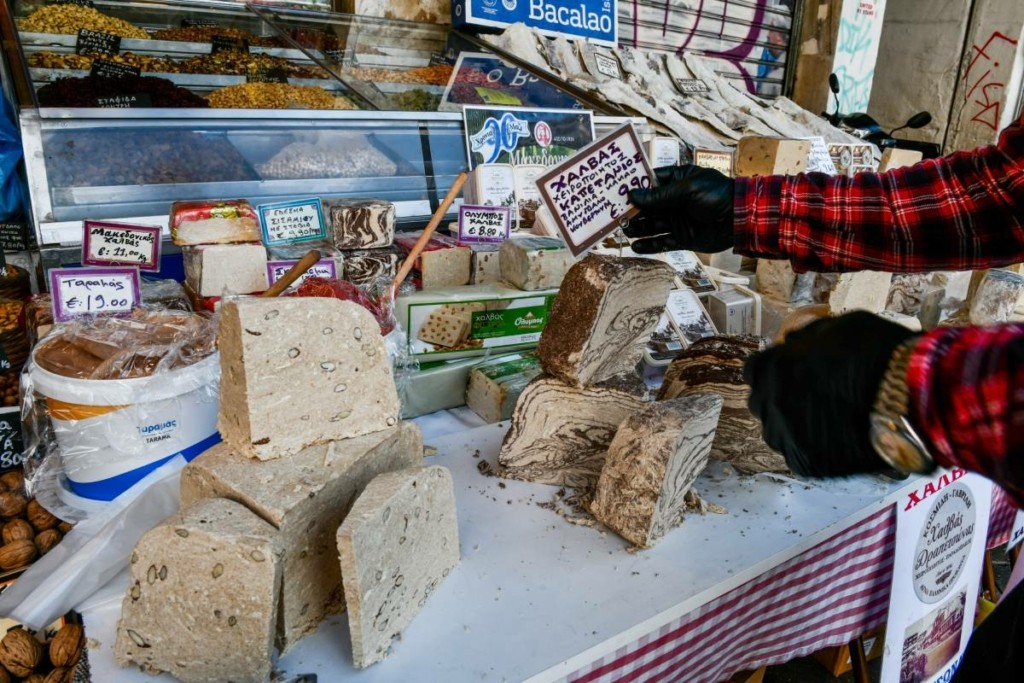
(66, 646)
(17, 530)
(12, 504)
(12, 481)
(40, 517)
(58, 675)
(20, 652)
(17, 554)
(47, 540)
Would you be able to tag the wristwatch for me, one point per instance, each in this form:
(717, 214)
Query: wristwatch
(893, 437)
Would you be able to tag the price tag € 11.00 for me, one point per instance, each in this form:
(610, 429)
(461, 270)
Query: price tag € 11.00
(121, 244)
(484, 223)
(81, 292)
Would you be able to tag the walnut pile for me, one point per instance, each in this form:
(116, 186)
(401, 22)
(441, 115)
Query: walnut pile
(25, 656)
(27, 529)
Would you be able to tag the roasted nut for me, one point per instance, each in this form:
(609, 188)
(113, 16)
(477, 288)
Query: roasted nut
(12, 504)
(13, 481)
(17, 554)
(58, 675)
(4, 676)
(35, 678)
(68, 19)
(65, 527)
(20, 652)
(17, 530)
(66, 646)
(40, 517)
(47, 540)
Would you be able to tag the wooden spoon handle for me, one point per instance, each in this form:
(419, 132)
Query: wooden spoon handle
(435, 220)
(293, 274)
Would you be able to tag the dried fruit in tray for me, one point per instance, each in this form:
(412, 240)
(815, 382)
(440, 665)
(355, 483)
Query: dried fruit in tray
(84, 91)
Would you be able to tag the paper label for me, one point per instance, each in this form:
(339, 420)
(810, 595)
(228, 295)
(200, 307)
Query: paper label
(96, 42)
(664, 152)
(14, 236)
(325, 268)
(93, 291)
(294, 222)
(587, 195)
(718, 160)
(121, 244)
(133, 101)
(12, 446)
(495, 185)
(102, 68)
(484, 223)
(266, 74)
(691, 86)
(819, 161)
(608, 65)
(691, 321)
(228, 44)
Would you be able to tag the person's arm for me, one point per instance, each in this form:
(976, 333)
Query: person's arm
(967, 397)
(961, 212)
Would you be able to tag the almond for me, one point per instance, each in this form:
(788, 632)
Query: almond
(20, 652)
(17, 554)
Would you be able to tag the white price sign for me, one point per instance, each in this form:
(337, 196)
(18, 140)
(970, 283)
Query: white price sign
(323, 268)
(93, 291)
(120, 244)
(292, 222)
(588, 194)
(481, 224)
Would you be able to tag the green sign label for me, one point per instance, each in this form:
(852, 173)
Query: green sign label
(509, 322)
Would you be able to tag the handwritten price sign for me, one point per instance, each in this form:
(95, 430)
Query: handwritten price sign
(301, 220)
(322, 268)
(93, 291)
(587, 195)
(478, 224)
(120, 244)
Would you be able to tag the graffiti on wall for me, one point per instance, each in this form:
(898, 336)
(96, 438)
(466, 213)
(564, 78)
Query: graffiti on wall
(860, 28)
(985, 79)
(748, 38)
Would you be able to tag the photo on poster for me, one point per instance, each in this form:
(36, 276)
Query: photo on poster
(931, 642)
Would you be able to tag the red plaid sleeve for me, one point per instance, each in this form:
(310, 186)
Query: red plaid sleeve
(967, 396)
(961, 212)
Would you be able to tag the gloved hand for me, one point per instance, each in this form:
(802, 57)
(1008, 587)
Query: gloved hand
(691, 208)
(814, 393)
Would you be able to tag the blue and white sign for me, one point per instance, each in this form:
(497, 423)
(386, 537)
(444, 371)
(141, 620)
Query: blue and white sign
(593, 19)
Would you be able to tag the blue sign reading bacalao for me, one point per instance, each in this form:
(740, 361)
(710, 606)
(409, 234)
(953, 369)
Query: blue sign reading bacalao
(592, 19)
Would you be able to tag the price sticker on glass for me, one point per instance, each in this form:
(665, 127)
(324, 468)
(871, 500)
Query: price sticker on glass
(79, 292)
(479, 224)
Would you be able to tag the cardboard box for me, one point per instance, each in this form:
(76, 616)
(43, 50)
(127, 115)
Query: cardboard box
(837, 659)
(596, 20)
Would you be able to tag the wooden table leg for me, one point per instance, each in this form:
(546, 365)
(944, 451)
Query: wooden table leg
(990, 578)
(859, 660)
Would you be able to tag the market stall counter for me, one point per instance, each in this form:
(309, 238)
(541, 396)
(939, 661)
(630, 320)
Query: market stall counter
(784, 568)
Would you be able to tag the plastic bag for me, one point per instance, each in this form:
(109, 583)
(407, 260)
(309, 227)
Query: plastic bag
(12, 189)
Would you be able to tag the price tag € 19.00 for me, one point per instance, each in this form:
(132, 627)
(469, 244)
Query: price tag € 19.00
(81, 292)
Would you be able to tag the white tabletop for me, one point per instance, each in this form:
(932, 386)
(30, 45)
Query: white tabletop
(536, 597)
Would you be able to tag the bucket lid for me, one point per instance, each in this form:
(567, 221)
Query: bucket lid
(117, 392)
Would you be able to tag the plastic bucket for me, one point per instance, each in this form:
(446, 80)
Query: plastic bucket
(111, 433)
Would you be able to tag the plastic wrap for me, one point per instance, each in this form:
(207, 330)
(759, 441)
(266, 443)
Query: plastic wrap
(109, 400)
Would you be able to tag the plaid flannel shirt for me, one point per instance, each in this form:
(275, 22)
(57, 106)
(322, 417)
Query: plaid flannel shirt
(961, 212)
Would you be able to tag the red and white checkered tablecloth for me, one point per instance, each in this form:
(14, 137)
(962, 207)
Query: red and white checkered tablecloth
(826, 596)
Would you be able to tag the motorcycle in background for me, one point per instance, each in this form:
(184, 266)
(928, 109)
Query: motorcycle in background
(865, 127)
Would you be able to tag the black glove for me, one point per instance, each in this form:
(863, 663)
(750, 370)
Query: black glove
(691, 208)
(814, 393)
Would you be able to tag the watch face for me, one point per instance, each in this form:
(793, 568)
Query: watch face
(896, 447)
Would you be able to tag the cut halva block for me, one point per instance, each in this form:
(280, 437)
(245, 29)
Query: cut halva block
(305, 497)
(442, 263)
(652, 462)
(560, 433)
(365, 266)
(495, 385)
(361, 223)
(771, 156)
(602, 317)
(486, 264)
(716, 366)
(997, 297)
(239, 268)
(203, 599)
(532, 263)
(865, 290)
(399, 542)
(775, 279)
(301, 371)
(229, 221)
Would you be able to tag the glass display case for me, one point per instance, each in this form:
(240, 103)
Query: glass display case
(365, 121)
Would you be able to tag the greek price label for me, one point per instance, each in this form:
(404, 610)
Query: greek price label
(719, 161)
(92, 42)
(12, 446)
(14, 236)
(325, 268)
(484, 223)
(294, 222)
(198, 23)
(266, 75)
(132, 101)
(121, 244)
(607, 65)
(107, 69)
(228, 44)
(588, 195)
(93, 291)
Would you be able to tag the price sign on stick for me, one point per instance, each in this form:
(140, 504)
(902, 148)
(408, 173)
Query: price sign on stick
(120, 244)
(292, 222)
(484, 223)
(93, 291)
(588, 194)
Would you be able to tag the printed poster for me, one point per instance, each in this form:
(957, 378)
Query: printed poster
(941, 530)
(521, 136)
(483, 79)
